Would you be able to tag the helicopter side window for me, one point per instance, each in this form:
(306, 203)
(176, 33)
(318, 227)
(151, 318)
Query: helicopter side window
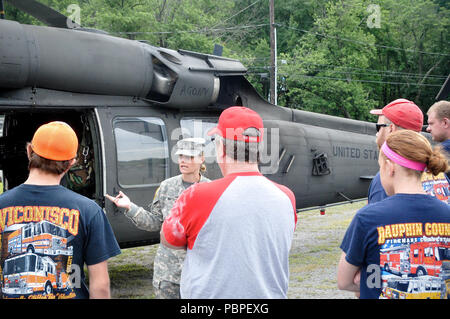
(142, 151)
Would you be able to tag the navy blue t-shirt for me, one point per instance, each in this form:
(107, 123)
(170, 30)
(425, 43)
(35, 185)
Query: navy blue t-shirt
(446, 145)
(400, 244)
(48, 234)
(376, 191)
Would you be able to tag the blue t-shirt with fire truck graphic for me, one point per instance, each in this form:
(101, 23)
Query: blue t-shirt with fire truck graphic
(47, 235)
(402, 245)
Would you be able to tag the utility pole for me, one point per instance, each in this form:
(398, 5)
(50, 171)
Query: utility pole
(273, 53)
(2, 10)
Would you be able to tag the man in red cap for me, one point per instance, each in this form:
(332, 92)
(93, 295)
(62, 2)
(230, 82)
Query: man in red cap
(397, 115)
(51, 230)
(238, 229)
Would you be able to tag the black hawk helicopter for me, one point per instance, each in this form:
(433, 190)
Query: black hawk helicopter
(130, 102)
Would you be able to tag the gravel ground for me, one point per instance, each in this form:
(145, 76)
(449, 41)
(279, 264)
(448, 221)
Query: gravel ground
(313, 259)
(315, 253)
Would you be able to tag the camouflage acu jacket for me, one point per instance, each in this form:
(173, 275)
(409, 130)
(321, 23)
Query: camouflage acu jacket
(168, 262)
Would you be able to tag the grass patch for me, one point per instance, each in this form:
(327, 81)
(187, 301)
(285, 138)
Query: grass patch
(124, 274)
(131, 281)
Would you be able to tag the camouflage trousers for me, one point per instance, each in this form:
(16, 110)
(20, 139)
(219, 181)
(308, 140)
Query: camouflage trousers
(167, 290)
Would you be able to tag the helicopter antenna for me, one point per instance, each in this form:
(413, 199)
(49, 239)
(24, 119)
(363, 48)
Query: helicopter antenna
(43, 13)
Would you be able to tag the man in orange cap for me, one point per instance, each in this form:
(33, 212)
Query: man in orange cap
(51, 230)
(238, 229)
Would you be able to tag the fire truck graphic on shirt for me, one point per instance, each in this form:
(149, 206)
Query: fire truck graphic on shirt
(415, 260)
(43, 237)
(36, 261)
(437, 186)
(29, 273)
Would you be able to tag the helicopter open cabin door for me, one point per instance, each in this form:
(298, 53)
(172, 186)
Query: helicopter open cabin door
(136, 157)
(18, 127)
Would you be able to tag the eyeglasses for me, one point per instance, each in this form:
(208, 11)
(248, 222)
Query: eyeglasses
(379, 126)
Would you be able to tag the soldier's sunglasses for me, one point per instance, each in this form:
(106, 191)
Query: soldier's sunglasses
(379, 126)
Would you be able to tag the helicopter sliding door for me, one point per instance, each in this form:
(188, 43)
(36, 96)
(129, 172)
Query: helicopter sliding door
(136, 161)
(19, 126)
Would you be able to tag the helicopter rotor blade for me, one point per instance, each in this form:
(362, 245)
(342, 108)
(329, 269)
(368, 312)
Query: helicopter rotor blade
(43, 13)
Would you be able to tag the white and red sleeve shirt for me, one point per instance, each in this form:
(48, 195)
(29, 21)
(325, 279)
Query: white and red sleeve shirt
(238, 231)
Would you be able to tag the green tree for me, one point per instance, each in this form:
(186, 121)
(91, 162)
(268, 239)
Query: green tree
(344, 65)
(320, 69)
(412, 50)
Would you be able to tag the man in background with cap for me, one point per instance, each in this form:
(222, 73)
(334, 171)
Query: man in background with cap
(52, 229)
(168, 262)
(397, 115)
(238, 229)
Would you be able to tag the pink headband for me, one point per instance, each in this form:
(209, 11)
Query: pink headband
(400, 160)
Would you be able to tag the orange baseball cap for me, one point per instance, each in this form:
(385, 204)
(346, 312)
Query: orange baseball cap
(55, 141)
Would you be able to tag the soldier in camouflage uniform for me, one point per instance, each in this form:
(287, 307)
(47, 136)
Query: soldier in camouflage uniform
(168, 262)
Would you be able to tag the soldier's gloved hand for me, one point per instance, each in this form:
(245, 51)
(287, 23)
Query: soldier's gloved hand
(120, 200)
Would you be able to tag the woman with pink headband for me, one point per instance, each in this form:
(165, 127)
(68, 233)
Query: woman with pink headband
(394, 247)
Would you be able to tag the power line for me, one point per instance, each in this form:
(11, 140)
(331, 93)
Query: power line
(237, 13)
(353, 80)
(375, 71)
(364, 43)
(205, 30)
(195, 31)
(266, 67)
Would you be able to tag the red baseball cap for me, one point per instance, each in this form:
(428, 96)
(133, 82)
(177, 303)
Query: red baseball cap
(235, 120)
(55, 141)
(403, 113)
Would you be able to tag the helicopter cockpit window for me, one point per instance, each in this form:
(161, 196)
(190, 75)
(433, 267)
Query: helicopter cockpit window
(142, 151)
(199, 127)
